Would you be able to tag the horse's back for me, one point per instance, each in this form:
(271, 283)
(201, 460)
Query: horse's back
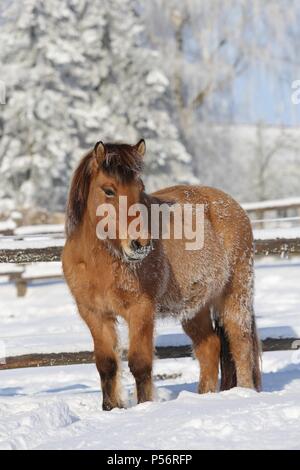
(197, 195)
(226, 217)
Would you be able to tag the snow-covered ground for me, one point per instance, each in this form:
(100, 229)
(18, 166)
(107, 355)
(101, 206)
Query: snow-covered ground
(60, 407)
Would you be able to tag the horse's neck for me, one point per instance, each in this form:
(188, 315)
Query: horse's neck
(89, 245)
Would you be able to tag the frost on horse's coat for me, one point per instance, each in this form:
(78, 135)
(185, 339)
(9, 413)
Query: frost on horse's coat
(110, 278)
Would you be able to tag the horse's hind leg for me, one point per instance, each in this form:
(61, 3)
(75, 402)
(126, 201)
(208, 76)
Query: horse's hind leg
(105, 347)
(238, 322)
(206, 345)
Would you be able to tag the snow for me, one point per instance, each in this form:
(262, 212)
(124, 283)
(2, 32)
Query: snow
(156, 77)
(271, 234)
(271, 204)
(38, 229)
(43, 269)
(7, 243)
(11, 268)
(7, 225)
(59, 408)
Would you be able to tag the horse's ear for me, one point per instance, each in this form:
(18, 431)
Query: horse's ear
(141, 147)
(100, 151)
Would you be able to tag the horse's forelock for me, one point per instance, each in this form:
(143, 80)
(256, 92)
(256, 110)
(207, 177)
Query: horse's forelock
(122, 161)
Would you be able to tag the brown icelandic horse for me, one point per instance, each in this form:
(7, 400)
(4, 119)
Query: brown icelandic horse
(140, 279)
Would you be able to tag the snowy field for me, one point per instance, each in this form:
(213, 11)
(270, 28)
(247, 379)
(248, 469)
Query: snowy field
(60, 407)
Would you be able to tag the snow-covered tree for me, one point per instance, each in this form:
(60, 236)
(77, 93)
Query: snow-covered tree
(209, 46)
(77, 71)
(274, 165)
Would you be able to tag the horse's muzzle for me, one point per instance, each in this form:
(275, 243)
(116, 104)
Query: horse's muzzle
(137, 251)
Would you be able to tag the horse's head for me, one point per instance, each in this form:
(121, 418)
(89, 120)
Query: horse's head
(105, 185)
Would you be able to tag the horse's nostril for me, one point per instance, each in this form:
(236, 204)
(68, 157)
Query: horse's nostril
(135, 245)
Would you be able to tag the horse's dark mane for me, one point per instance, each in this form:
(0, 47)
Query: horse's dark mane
(78, 193)
(122, 161)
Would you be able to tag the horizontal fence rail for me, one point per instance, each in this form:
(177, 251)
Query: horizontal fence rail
(30, 255)
(276, 246)
(87, 357)
(277, 205)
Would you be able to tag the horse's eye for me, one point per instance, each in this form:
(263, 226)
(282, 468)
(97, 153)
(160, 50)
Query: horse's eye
(109, 192)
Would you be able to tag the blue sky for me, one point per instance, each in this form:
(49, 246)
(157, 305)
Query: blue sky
(260, 95)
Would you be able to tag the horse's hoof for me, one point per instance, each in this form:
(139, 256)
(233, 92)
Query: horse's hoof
(107, 406)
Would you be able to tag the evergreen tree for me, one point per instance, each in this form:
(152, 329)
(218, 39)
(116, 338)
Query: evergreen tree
(78, 71)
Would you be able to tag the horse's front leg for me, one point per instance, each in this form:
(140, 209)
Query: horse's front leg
(140, 355)
(105, 338)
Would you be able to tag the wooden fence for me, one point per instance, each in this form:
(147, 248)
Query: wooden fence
(87, 357)
(275, 246)
(280, 208)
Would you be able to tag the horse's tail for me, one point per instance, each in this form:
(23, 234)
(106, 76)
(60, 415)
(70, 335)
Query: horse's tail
(256, 356)
(228, 370)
